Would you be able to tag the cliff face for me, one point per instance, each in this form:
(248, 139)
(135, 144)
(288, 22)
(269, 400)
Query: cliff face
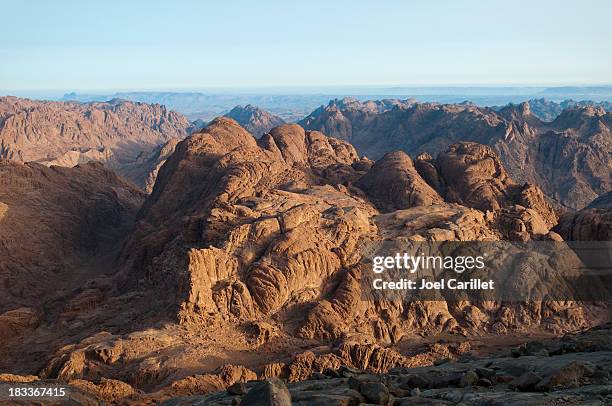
(569, 158)
(67, 133)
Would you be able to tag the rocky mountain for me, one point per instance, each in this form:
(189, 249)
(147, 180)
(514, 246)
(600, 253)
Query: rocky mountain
(255, 120)
(569, 158)
(548, 110)
(68, 133)
(340, 115)
(250, 259)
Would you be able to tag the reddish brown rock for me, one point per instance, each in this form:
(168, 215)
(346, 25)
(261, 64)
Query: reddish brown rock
(68, 133)
(568, 159)
(71, 219)
(394, 184)
(593, 223)
(255, 120)
(255, 251)
(474, 176)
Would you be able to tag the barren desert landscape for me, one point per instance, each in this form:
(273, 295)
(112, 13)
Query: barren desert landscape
(273, 204)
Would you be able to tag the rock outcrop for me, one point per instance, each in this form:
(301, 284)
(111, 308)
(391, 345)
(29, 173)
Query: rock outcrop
(593, 223)
(393, 183)
(550, 372)
(473, 175)
(272, 198)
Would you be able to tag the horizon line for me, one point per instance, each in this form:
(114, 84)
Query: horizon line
(314, 86)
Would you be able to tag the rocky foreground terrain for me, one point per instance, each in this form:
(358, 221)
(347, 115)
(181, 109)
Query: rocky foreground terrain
(245, 262)
(570, 158)
(573, 370)
(125, 136)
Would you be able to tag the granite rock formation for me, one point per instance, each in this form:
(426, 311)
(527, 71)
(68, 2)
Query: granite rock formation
(248, 260)
(568, 158)
(393, 183)
(294, 196)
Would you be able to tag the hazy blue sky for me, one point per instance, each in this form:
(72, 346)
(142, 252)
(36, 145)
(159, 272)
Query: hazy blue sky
(76, 45)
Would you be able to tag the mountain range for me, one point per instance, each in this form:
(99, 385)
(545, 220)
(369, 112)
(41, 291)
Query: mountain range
(548, 110)
(570, 158)
(134, 139)
(292, 104)
(248, 257)
(119, 133)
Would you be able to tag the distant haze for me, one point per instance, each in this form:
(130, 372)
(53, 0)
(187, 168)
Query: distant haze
(292, 104)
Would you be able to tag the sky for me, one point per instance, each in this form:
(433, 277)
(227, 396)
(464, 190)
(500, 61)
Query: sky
(145, 45)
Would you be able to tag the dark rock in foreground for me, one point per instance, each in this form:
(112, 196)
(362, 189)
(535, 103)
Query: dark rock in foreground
(573, 370)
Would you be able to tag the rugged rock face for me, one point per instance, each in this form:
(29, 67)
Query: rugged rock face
(266, 197)
(394, 184)
(572, 159)
(593, 223)
(345, 118)
(68, 133)
(472, 175)
(255, 251)
(409, 126)
(57, 228)
(276, 226)
(255, 120)
(548, 110)
(569, 158)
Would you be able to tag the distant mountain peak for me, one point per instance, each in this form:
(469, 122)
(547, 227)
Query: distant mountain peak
(255, 120)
